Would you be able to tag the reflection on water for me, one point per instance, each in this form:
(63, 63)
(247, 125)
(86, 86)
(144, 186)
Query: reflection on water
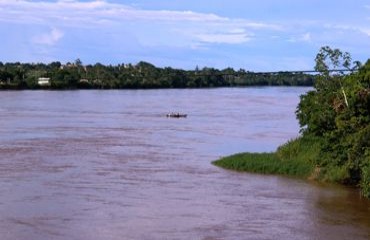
(110, 165)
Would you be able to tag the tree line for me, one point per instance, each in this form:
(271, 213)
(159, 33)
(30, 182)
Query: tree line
(143, 75)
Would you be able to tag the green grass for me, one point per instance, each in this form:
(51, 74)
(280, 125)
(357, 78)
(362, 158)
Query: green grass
(295, 158)
(265, 163)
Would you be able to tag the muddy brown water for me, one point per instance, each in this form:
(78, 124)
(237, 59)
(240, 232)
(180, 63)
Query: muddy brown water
(110, 165)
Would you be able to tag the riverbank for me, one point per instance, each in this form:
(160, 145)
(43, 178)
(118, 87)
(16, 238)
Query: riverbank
(335, 127)
(295, 158)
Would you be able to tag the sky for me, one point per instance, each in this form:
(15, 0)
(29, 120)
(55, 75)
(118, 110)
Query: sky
(256, 35)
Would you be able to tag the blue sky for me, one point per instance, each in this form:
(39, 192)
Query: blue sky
(264, 35)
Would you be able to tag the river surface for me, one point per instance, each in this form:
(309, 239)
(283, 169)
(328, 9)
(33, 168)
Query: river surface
(109, 165)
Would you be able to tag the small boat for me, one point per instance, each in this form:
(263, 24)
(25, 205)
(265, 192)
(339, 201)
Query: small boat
(176, 115)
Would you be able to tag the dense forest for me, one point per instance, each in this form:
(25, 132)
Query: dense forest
(140, 76)
(337, 115)
(335, 124)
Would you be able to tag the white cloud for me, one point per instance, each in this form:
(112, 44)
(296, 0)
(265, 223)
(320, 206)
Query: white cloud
(306, 37)
(50, 38)
(365, 31)
(203, 27)
(224, 38)
(360, 29)
(89, 12)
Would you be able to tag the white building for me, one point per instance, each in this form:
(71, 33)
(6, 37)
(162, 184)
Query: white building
(84, 80)
(42, 81)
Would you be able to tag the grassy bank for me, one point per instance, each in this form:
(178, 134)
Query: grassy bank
(295, 158)
(265, 163)
(302, 157)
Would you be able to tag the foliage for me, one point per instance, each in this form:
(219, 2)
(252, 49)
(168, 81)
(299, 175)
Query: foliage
(365, 181)
(335, 127)
(303, 149)
(338, 112)
(142, 75)
(295, 158)
(266, 163)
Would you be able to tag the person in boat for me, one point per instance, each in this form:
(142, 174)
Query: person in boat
(176, 115)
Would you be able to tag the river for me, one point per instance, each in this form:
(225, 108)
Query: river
(110, 165)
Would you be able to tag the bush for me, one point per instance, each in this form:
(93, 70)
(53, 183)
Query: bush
(365, 181)
(270, 163)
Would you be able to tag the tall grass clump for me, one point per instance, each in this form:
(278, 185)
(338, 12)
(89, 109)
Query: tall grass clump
(295, 158)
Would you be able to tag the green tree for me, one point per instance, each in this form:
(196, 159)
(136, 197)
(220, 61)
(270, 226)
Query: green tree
(337, 112)
(332, 63)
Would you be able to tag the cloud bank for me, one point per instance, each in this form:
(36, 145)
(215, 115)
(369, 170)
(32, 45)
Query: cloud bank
(200, 28)
(100, 30)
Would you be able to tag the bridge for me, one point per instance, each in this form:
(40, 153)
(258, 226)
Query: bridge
(241, 73)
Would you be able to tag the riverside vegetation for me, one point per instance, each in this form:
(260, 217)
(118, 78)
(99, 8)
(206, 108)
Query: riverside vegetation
(140, 76)
(334, 145)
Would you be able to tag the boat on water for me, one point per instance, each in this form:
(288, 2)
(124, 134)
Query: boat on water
(176, 115)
